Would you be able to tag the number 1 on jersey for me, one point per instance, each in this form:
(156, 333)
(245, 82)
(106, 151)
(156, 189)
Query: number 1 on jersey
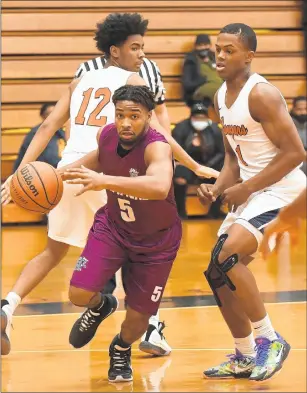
(93, 119)
(239, 153)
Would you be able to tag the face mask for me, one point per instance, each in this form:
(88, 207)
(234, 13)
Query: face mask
(200, 125)
(300, 118)
(203, 53)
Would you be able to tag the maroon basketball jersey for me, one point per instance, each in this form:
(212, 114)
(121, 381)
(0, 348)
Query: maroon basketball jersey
(133, 217)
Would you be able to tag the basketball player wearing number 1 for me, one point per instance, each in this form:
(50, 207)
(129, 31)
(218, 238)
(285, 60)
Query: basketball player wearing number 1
(262, 148)
(88, 103)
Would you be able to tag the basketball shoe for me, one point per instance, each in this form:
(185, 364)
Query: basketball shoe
(6, 325)
(238, 366)
(270, 356)
(120, 363)
(85, 327)
(154, 342)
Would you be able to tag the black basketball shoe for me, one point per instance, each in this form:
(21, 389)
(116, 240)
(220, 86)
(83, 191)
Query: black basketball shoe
(85, 327)
(120, 363)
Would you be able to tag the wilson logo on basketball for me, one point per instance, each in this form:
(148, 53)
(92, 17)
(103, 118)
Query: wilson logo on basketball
(233, 130)
(28, 179)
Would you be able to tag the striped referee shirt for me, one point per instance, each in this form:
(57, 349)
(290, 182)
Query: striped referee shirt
(149, 72)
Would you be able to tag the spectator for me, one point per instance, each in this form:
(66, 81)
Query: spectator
(200, 80)
(51, 154)
(299, 117)
(202, 139)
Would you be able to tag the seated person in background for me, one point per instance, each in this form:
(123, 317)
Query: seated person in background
(51, 154)
(299, 117)
(200, 80)
(202, 139)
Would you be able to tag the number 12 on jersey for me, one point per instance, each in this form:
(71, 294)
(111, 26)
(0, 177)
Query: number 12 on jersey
(93, 119)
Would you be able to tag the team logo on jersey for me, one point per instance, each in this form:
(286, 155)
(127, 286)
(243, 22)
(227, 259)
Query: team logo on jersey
(133, 172)
(81, 264)
(229, 129)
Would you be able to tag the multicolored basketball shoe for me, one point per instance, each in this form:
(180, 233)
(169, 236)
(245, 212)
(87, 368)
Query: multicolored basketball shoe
(269, 358)
(238, 366)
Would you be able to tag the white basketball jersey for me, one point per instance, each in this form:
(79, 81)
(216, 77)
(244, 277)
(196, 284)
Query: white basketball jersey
(247, 138)
(91, 107)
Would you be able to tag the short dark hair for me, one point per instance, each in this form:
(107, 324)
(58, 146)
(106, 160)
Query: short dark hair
(116, 28)
(138, 94)
(297, 99)
(45, 106)
(245, 33)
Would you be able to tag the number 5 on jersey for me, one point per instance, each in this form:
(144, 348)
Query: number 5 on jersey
(93, 120)
(126, 211)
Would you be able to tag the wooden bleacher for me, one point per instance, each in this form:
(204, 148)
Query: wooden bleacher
(43, 43)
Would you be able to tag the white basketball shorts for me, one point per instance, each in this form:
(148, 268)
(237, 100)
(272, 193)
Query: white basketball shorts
(70, 221)
(262, 207)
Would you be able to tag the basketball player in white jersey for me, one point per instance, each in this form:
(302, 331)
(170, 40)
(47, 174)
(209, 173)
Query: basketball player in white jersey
(88, 103)
(262, 148)
(151, 74)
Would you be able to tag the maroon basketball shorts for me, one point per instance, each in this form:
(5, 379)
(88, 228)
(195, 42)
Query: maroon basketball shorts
(149, 264)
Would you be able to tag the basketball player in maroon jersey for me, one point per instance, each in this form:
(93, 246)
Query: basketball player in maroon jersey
(139, 225)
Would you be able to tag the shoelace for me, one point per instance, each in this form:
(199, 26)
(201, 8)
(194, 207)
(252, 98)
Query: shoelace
(160, 328)
(262, 354)
(87, 320)
(234, 357)
(120, 359)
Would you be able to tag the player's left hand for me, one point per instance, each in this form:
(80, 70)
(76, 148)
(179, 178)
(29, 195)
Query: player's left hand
(90, 180)
(277, 228)
(206, 172)
(235, 196)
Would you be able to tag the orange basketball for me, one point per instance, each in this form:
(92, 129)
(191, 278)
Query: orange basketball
(36, 187)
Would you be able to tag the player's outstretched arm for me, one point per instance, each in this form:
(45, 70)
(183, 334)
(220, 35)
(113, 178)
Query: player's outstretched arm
(154, 185)
(179, 153)
(288, 220)
(268, 108)
(49, 127)
(163, 117)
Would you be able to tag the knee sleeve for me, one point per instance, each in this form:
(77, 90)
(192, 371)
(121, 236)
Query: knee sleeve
(216, 274)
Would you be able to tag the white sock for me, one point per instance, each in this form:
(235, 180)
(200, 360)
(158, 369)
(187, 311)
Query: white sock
(154, 320)
(264, 328)
(246, 345)
(13, 300)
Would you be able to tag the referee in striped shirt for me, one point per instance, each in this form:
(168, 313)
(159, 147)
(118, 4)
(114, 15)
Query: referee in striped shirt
(150, 73)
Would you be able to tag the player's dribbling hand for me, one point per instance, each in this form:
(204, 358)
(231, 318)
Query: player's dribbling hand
(207, 194)
(206, 172)
(278, 228)
(91, 180)
(5, 191)
(235, 196)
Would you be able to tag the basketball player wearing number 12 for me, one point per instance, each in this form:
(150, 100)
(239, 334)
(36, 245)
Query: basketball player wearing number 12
(88, 103)
(262, 148)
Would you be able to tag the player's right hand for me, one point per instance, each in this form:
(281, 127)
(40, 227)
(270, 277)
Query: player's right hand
(5, 191)
(277, 228)
(207, 193)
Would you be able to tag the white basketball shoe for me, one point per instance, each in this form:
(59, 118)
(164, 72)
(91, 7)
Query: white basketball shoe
(153, 341)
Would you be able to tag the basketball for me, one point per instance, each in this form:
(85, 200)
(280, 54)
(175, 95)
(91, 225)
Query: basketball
(36, 187)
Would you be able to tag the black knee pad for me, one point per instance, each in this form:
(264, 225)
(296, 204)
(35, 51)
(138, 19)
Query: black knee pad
(216, 272)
